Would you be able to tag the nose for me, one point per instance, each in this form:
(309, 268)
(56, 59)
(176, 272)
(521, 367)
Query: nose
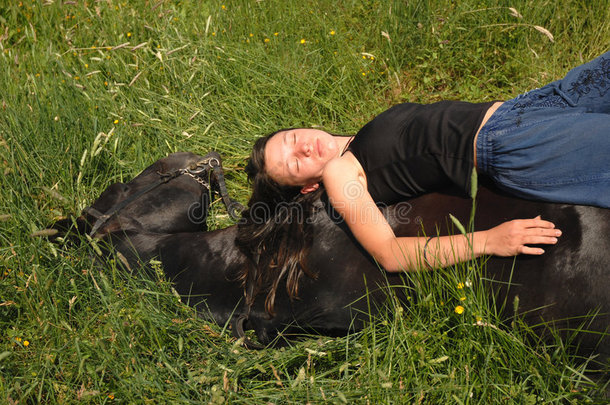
(306, 149)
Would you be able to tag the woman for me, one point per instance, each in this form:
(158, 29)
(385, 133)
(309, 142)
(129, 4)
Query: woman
(551, 144)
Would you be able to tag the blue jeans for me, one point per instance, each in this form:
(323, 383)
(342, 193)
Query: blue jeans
(553, 143)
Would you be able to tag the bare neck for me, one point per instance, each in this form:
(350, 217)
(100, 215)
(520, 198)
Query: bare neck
(343, 142)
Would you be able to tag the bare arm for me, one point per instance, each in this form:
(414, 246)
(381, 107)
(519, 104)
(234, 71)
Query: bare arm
(347, 191)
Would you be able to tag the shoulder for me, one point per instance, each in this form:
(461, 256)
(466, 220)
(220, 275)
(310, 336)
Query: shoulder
(345, 167)
(343, 178)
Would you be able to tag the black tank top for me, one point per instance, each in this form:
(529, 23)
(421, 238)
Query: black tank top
(412, 149)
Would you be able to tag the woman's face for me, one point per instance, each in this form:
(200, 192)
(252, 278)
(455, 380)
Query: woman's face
(296, 157)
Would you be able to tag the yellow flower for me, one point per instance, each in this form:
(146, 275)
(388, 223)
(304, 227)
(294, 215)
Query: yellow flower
(116, 122)
(128, 34)
(478, 318)
(26, 343)
(86, 65)
(267, 40)
(276, 34)
(18, 339)
(462, 298)
(251, 35)
(303, 40)
(223, 7)
(110, 396)
(460, 286)
(332, 32)
(459, 310)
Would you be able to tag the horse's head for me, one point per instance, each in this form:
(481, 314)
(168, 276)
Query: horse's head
(172, 195)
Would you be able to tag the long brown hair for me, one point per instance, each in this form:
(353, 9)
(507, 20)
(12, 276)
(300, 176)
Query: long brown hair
(274, 232)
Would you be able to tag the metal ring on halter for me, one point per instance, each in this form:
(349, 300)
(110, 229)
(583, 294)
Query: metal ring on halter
(214, 162)
(201, 167)
(197, 170)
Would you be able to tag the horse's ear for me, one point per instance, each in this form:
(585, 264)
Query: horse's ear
(309, 188)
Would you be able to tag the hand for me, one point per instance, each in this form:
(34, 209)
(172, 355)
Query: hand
(511, 238)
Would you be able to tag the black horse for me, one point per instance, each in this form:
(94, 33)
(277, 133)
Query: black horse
(566, 287)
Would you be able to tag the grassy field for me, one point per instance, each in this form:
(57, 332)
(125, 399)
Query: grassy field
(91, 92)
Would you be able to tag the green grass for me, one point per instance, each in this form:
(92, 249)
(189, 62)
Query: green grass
(79, 112)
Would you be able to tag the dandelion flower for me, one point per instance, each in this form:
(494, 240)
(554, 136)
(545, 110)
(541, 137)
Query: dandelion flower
(116, 122)
(276, 34)
(459, 310)
(251, 35)
(26, 343)
(267, 40)
(128, 34)
(332, 32)
(18, 339)
(303, 40)
(460, 286)
(223, 7)
(462, 298)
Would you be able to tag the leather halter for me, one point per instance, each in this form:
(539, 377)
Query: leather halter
(195, 171)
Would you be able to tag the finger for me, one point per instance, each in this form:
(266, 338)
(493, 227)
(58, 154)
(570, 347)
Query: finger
(537, 240)
(542, 232)
(538, 223)
(526, 250)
